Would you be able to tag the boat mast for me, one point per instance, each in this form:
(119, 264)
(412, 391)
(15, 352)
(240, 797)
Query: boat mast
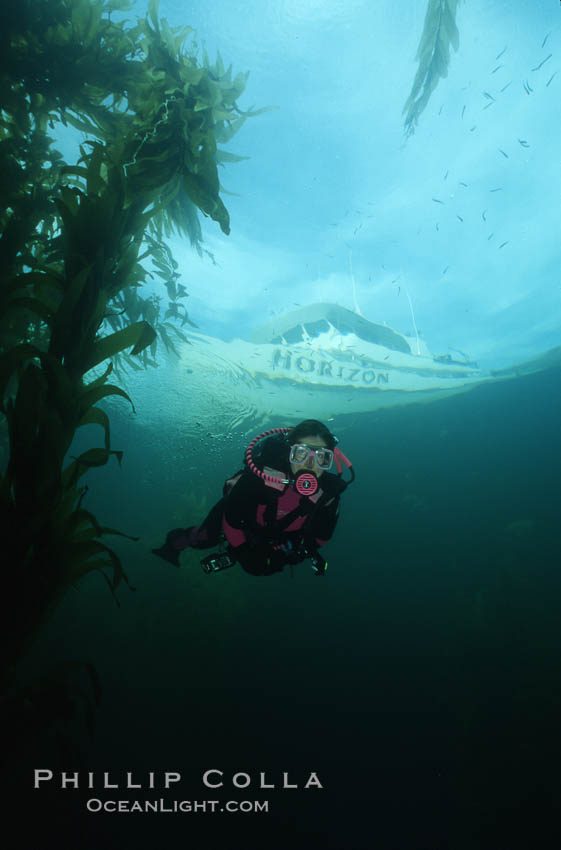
(413, 317)
(357, 308)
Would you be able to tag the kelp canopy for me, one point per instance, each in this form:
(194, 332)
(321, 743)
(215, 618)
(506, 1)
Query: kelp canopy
(74, 236)
(439, 34)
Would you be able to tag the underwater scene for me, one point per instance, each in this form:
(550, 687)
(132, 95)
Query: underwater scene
(280, 416)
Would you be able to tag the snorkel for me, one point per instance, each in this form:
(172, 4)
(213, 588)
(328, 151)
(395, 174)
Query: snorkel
(305, 482)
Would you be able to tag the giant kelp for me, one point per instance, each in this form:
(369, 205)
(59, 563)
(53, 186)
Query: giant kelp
(74, 238)
(439, 34)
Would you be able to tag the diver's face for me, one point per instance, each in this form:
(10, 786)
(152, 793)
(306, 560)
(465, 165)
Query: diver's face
(310, 462)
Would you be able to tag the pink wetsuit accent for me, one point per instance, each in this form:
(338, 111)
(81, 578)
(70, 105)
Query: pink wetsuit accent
(286, 503)
(234, 536)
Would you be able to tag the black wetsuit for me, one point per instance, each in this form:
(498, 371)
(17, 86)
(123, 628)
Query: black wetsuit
(265, 527)
(273, 537)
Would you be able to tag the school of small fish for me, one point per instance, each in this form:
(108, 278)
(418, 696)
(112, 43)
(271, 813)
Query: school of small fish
(490, 101)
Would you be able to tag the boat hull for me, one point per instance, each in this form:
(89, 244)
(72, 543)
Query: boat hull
(242, 381)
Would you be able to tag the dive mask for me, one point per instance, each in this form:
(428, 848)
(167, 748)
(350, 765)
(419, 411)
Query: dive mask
(299, 453)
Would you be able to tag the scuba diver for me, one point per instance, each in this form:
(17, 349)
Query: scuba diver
(279, 509)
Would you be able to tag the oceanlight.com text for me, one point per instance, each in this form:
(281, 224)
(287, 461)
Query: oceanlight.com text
(162, 806)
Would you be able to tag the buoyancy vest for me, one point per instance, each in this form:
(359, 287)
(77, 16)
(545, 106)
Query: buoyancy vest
(285, 511)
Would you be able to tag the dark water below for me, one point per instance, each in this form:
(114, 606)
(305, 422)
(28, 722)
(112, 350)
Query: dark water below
(421, 679)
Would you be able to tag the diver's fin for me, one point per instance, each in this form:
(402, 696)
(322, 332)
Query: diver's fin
(168, 553)
(176, 540)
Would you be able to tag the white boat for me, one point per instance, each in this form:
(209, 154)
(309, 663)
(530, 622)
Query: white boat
(316, 362)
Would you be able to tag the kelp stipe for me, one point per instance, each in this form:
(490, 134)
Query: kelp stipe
(73, 240)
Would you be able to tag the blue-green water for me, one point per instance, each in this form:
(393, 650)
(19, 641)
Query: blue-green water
(420, 679)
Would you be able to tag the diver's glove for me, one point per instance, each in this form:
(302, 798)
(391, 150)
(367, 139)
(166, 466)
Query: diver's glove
(293, 551)
(296, 551)
(319, 564)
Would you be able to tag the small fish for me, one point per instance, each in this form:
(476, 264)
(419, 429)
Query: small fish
(503, 153)
(483, 215)
(490, 96)
(502, 245)
(490, 236)
(545, 39)
(471, 129)
(524, 143)
(550, 79)
(461, 219)
(446, 175)
(445, 270)
(504, 88)
(385, 358)
(491, 102)
(463, 184)
(498, 189)
(500, 54)
(494, 71)
(527, 87)
(441, 108)
(437, 201)
(436, 225)
(537, 68)
(463, 111)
